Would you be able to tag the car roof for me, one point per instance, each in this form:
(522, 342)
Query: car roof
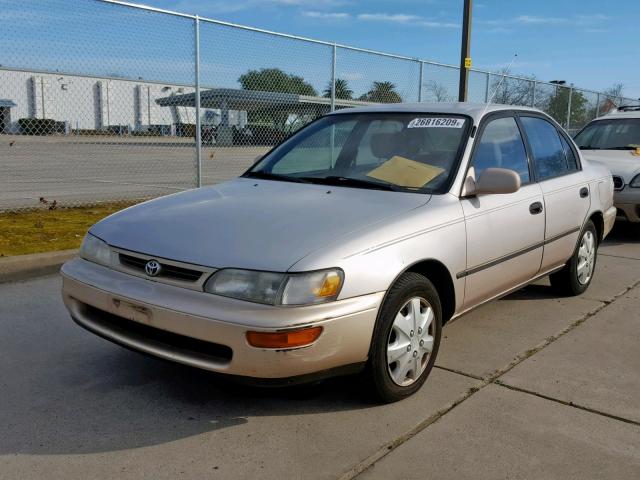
(620, 114)
(475, 110)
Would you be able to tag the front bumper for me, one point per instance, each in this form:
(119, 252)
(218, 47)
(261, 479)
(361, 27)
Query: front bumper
(627, 201)
(209, 331)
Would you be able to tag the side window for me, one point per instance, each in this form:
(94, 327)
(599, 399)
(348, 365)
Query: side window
(547, 150)
(572, 161)
(501, 146)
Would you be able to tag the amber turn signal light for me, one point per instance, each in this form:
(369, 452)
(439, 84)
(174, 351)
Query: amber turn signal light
(286, 339)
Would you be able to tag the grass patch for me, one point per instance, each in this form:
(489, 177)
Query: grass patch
(39, 231)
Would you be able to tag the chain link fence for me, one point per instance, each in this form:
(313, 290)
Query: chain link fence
(143, 102)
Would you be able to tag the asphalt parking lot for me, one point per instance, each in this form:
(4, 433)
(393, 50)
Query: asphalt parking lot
(530, 386)
(78, 170)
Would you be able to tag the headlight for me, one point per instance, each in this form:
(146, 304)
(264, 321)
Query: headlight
(635, 183)
(277, 288)
(261, 287)
(95, 250)
(313, 287)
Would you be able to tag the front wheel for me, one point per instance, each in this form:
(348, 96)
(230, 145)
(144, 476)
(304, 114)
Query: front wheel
(406, 338)
(575, 277)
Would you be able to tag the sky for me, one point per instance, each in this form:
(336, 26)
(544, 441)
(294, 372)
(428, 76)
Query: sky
(590, 43)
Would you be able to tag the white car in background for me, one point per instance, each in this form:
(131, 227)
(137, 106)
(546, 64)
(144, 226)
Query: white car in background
(614, 141)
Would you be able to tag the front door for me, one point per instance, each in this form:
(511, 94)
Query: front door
(505, 232)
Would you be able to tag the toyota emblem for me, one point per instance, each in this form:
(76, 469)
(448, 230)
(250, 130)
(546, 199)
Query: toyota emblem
(152, 268)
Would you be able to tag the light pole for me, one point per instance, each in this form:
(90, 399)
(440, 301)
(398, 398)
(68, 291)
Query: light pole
(465, 51)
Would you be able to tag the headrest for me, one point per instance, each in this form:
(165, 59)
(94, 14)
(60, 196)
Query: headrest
(383, 145)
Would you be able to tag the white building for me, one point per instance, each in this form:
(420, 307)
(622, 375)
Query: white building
(96, 103)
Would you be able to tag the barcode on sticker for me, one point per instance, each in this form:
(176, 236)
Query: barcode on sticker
(433, 122)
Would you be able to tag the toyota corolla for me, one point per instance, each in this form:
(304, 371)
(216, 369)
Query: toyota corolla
(348, 246)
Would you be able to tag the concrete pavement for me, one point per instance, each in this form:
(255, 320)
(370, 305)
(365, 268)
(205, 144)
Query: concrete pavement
(531, 386)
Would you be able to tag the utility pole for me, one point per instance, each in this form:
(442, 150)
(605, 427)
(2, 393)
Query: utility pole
(465, 51)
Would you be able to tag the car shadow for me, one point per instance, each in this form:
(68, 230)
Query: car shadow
(534, 291)
(121, 400)
(623, 233)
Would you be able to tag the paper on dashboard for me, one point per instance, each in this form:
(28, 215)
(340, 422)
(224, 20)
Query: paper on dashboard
(405, 172)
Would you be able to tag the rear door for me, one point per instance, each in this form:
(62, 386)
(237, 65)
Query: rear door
(564, 186)
(505, 232)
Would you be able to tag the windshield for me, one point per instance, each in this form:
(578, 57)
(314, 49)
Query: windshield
(613, 134)
(404, 152)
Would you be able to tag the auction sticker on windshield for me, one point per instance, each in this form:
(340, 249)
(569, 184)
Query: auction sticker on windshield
(432, 122)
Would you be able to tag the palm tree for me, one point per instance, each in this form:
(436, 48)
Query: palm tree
(382, 92)
(342, 90)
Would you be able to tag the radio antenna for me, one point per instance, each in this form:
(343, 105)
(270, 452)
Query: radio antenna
(495, 90)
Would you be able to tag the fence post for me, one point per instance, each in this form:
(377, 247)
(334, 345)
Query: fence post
(333, 77)
(598, 106)
(197, 94)
(533, 94)
(421, 81)
(486, 88)
(569, 108)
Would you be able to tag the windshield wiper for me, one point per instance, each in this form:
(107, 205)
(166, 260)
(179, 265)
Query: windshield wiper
(275, 176)
(588, 147)
(352, 182)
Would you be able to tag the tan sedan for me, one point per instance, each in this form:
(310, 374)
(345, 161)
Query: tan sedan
(348, 246)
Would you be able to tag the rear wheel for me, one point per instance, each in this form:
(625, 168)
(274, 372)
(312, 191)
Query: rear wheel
(575, 277)
(406, 338)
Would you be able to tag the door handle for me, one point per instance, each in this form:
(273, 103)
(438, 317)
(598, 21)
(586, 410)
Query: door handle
(535, 208)
(584, 192)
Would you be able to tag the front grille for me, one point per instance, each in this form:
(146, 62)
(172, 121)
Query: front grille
(618, 182)
(157, 337)
(133, 262)
(167, 271)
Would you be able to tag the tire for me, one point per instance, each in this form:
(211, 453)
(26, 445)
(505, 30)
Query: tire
(573, 279)
(392, 335)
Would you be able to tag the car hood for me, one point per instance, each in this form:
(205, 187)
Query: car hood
(622, 163)
(248, 223)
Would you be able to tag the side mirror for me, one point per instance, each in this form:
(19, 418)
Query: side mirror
(497, 181)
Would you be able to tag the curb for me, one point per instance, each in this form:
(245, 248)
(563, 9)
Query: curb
(22, 267)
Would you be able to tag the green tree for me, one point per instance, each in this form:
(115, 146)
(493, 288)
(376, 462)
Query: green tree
(275, 80)
(343, 91)
(382, 92)
(559, 104)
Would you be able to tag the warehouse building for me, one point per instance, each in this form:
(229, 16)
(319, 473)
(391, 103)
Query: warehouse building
(75, 104)
(85, 103)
